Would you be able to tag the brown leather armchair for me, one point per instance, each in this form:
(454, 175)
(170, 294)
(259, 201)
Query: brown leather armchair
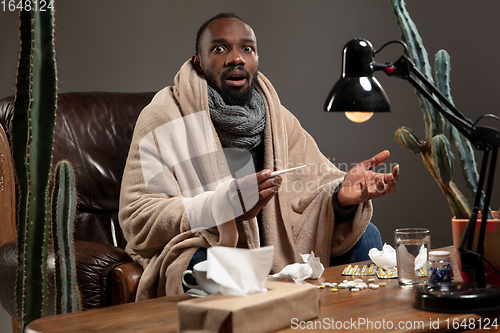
(93, 131)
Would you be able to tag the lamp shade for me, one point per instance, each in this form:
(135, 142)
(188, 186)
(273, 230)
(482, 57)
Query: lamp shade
(357, 90)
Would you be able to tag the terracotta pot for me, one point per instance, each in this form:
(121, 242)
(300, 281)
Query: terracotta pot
(491, 247)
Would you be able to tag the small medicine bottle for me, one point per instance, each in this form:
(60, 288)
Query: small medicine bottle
(440, 268)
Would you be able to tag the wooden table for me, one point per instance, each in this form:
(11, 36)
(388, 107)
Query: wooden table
(389, 308)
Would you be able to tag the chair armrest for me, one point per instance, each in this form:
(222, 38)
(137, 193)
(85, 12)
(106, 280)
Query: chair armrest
(124, 281)
(95, 264)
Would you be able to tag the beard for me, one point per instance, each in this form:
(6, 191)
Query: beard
(239, 97)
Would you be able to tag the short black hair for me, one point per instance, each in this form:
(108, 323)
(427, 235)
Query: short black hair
(216, 17)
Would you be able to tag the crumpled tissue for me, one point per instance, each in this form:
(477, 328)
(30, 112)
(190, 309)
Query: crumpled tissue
(240, 272)
(312, 268)
(385, 258)
(421, 259)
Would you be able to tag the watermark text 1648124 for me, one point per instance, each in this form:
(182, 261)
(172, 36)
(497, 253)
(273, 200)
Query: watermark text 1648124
(26, 5)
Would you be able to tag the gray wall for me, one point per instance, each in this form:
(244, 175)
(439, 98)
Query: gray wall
(139, 46)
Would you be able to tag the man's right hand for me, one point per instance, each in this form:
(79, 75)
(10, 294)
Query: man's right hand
(267, 187)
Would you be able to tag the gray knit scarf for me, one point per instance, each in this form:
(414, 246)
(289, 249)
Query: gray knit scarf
(240, 127)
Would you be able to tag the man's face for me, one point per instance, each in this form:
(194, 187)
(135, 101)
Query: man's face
(228, 59)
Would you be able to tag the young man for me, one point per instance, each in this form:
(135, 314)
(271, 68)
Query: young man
(221, 121)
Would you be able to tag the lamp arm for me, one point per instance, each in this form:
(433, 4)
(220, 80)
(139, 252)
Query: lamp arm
(483, 138)
(404, 67)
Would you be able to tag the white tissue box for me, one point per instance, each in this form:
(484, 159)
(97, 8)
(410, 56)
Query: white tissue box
(261, 312)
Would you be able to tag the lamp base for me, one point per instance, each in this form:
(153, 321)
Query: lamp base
(458, 298)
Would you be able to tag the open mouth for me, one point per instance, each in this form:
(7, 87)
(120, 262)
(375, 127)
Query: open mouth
(236, 78)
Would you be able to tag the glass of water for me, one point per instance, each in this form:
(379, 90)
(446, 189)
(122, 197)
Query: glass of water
(412, 252)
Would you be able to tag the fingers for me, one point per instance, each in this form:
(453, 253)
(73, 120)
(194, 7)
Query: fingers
(391, 180)
(364, 192)
(374, 189)
(263, 192)
(361, 183)
(266, 195)
(379, 186)
(253, 179)
(380, 183)
(395, 172)
(377, 159)
(268, 188)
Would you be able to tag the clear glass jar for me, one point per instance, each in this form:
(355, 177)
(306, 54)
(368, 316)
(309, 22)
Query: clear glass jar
(440, 268)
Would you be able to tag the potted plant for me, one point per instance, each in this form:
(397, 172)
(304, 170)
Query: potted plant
(443, 144)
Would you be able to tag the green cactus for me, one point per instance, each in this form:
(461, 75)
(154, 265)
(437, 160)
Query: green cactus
(63, 217)
(434, 122)
(32, 144)
(442, 158)
(461, 145)
(32, 141)
(409, 140)
(436, 150)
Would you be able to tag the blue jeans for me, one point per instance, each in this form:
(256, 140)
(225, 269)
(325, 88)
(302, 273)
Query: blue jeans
(199, 255)
(359, 252)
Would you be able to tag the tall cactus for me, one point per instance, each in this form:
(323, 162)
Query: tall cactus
(436, 150)
(63, 216)
(461, 145)
(32, 142)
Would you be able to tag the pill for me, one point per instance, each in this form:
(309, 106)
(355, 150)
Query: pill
(334, 289)
(322, 286)
(375, 286)
(371, 279)
(354, 290)
(382, 284)
(347, 270)
(342, 286)
(358, 280)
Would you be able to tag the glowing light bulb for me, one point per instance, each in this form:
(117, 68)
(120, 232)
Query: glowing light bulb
(358, 117)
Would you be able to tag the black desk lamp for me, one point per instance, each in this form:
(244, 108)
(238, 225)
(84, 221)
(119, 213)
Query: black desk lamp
(357, 91)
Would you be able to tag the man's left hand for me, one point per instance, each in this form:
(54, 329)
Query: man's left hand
(361, 183)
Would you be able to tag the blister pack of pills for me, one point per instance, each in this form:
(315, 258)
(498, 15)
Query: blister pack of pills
(388, 273)
(356, 270)
(365, 270)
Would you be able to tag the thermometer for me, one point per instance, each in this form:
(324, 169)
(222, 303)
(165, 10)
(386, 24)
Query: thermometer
(276, 173)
